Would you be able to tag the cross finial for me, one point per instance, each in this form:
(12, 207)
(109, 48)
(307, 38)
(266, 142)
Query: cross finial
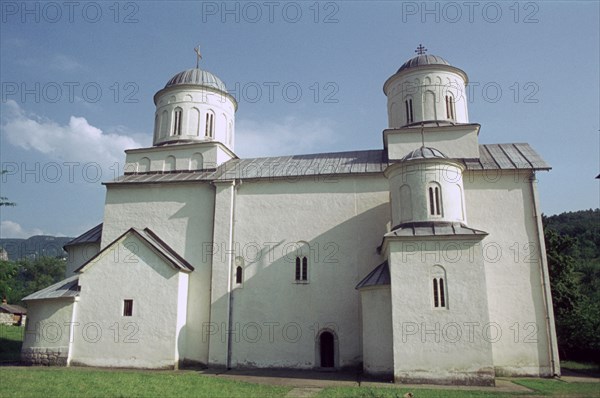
(198, 55)
(421, 50)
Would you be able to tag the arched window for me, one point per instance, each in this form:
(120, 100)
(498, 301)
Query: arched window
(143, 165)
(435, 199)
(196, 161)
(194, 122)
(177, 121)
(450, 107)
(170, 163)
(210, 125)
(408, 104)
(164, 124)
(238, 275)
(301, 269)
(438, 275)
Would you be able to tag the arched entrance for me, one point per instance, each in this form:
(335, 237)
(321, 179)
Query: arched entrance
(327, 350)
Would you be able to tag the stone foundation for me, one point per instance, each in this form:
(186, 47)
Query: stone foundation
(56, 356)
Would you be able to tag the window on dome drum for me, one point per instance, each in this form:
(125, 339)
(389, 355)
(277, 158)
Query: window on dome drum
(434, 201)
(238, 275)
(450, 108)
(439, 298)
(301, 269)
(177, 124)
(210, 125)
(127, 307)
(409, 110)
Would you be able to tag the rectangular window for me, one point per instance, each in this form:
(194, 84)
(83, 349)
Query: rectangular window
(127, 307)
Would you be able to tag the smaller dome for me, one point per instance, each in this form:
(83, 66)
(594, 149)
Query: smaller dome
(422, 60)
(424, 153)
(197, 77)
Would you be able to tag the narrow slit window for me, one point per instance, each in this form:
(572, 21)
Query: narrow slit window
(431, 203)
(238, 275)
(304, 268)
(409, 111)
(436, 303)
(435, 208)
(210, 125)
(301, 269)
(449, 107)
(442, 298)
(177, 124)
(127, 307)
(298, 269)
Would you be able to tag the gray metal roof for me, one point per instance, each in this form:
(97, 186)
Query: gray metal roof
(492, 156)
(433, 228)
(66, 288)
(91, 236)
(380, 276)
(507, 157)
(421, 60)
(197, 77)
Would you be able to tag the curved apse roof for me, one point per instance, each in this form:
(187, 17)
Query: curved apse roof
(197, 77)
(422, 60)
(424, 153)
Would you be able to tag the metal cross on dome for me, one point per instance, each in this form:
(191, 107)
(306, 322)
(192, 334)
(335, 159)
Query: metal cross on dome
(420, 50)
(198, 56)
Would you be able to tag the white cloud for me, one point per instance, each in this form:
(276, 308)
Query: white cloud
(64, 63)
(78, 141)
(11, 229)
(287, 137)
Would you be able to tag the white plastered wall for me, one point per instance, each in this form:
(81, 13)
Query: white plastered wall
(339, 223)
(149, 338)
(181, 215)
(378, 354)
(501, 202)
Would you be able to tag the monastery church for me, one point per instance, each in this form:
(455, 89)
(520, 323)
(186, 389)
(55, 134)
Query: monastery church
(422, 261)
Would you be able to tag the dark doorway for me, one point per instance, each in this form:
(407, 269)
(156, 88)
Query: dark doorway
(326, 347)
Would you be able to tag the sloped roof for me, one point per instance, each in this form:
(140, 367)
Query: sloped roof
(507, 157)
(433, 228)
(155, 243)
(492, 156)
(91, 236)
(380, 276)
(13, 309)
(68, 287)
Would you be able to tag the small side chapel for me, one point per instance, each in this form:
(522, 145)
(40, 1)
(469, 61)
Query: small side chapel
(422, 261)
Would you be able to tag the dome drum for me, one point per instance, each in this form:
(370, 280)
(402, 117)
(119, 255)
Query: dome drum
(426, 186)
(194, 106)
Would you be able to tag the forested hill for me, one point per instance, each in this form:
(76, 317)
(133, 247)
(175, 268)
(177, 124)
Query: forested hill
(34, 247)
(584, 227)
(573, 252)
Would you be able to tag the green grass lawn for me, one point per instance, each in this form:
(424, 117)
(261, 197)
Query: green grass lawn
(87, 382)
(52, 382)
(11, 338)
(540, 387)
(83, 382)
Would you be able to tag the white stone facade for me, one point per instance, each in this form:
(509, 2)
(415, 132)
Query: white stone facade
(273, 263)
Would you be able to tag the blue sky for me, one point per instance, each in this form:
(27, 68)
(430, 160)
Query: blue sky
(78, 81)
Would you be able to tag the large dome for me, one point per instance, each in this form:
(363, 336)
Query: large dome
(197, 77)
(422, 60)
